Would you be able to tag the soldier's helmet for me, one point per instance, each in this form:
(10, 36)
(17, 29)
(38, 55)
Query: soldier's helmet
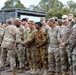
(64, 18)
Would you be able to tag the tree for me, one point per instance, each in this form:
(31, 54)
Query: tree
(13, 4)
(59, 13)
(47, 5)
(72, 5)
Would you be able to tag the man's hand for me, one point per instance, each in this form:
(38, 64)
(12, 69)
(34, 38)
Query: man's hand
(37, 46)
(62, 44)
(26, 45)
(17, 44)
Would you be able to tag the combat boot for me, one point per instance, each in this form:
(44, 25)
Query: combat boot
(2, 69)
(7, 65)
(28, 72)
(13, 73)
(9, 70)
(0, 72)
(37, 72)
(51, 73)
(63, 73)
(57, 73)
(33, 71)
(45, 72)
(22, 70)
(69, 72)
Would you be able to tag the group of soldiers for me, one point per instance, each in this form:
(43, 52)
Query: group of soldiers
(47, 46)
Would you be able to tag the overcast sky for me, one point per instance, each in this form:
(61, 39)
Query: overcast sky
(31, 2)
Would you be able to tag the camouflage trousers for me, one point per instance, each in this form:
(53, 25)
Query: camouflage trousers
(11, 53)
(64, 59)
(3, 57)
(41, 58)
(68, 53)
(31, 54)
(54, 62)
(0, 50)
(20, 50)
(74, 63)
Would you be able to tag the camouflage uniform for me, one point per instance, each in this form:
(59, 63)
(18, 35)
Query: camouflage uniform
(12, 36)
(72, 41)
(27, 30)
(20, 48)
(45, 28)
(63, 37)
(31, 50)
(41, 51)
(53, 50)
(1, 36)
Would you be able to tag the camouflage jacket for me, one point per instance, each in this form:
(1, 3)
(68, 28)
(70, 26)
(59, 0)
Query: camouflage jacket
(39, 38)
(11, 36)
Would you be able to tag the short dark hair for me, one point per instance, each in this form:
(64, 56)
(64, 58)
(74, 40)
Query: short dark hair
(24, 19)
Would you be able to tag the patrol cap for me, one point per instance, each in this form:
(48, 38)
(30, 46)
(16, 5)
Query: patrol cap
(59, 20)
(64, 18)
(42, 18)
(51, 20)
(38, 23)
(31, 22)
(17, 20)
(24, 19)
(8, 21)
(70, 16)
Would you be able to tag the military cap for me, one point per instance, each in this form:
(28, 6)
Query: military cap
(59, 20)
(70, 16)
(31, 22)
(38, 23)
(8, 21)
(17, 20)
(64, 18)
(42, 18)
(51, 20)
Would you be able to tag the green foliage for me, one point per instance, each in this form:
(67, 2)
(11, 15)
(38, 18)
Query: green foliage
(47, 5)
(58, 13)
(56, 8)
(13, 4)
(72, 5)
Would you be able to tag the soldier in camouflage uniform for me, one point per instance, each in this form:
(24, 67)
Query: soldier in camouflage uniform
(41, 47)
(54, 62)
(20, 49)
(63, 36)
(8, 22)
(59, 22)
(72, 42)
(45, 28)
(11, 37)
(31, 49)
(24, 22)
(1, 35)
